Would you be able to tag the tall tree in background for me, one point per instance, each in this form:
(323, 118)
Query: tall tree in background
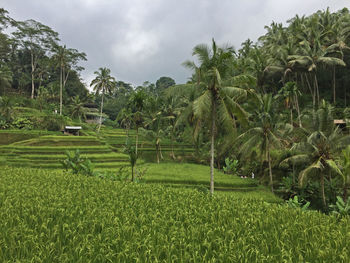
(216, 98)
(66, 60)
(163, 83)
(263, 133)
(103, 83)
(138, 102)
(38, 39)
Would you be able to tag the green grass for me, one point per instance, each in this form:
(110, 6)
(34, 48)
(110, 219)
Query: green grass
(50, 216)
(193, 174)
(11, 136)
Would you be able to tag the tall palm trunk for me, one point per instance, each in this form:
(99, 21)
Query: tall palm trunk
(312, 93)
(269, 162)
(61, 80)
(157, 153)
(32, 73)
(100, 122)
(334, 85)
(316, 89)
(212, 150)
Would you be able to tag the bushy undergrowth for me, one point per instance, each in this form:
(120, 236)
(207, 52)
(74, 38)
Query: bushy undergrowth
(56, 217)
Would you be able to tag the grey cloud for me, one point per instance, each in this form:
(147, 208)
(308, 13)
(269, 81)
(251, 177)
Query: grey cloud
(143, 40)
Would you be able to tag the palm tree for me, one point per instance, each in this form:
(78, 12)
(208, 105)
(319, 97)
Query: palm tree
(126, 119)
(312, 54)
(264, 133)
(66, 59)
(289, 92)
(138, 102)
(61, 58)
(5, 76)
(6, 108)
(345, 172)
(317, 151)
(216, 98)
(103, 83)
(77, 108)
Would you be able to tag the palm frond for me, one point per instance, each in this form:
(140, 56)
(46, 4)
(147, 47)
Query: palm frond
(316, 166)
(202, 105)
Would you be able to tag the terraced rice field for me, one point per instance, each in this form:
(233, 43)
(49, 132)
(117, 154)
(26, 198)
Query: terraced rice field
(117, 137)
(32, 149)
(48, 151)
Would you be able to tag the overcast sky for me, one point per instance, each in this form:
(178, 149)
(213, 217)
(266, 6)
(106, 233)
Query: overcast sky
(142, 40)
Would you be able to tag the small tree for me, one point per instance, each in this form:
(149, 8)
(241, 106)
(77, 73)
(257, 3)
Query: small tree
(130, 150)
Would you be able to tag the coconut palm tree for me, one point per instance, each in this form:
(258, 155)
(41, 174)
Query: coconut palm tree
(317, 151)
(137, 101)
(216, 102)
(312, 54)
(77, 109)
(66, 59)
(103, 83)
(290, 92)
(263, 134)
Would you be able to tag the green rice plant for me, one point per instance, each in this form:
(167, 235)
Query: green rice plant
(51, 216)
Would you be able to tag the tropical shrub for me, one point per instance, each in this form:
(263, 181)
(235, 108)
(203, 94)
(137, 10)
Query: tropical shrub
(231, 166)
(341, 208)
(78, 165)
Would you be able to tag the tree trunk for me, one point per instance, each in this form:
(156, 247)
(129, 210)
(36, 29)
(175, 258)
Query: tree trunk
(334, 100)
(317, 89)
(291, 116)
(212, 150)
(132, 173)
(157, 153)
(312, 93)
(32, 73)
(298, 109)
(137, 138)
(61, 76)
(100, 122)
(172, 146)
(269, 162)
(323, 193)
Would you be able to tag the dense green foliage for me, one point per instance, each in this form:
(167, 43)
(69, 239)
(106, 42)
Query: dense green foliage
(270, 104)
(56, 217)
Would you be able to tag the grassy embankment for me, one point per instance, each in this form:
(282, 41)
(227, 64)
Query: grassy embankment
(47, 152)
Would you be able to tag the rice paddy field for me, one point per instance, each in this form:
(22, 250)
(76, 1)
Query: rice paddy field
(52, 216)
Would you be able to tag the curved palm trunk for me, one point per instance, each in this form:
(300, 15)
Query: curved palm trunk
(100, 122)
(212, 150)
(316, 89)
(269, 162)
